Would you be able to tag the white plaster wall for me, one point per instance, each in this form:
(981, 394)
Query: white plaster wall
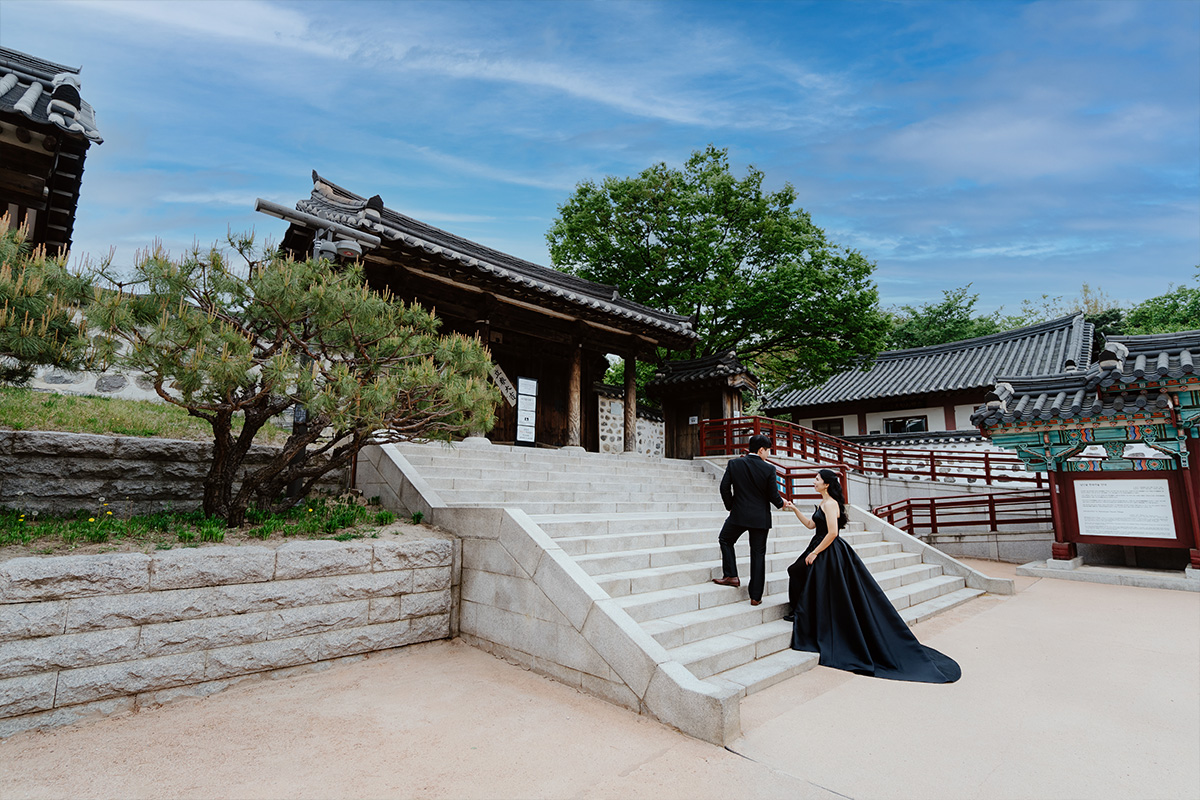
(962, 416)
(849, 422)
(935, 418)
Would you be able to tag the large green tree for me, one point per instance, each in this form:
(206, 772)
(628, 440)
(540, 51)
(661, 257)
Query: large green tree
(223, 343)
(950, 320)
(1177, 310)
(39, 300)
(761, 278)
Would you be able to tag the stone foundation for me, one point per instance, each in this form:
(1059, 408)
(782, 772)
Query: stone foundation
(82, 636)
(651, 439)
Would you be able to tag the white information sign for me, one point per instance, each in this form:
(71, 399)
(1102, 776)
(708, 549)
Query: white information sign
(526, 410)
(504, 384)
(1136, 509)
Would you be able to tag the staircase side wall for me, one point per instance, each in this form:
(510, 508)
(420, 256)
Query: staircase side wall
(929, 554)
(521, 597)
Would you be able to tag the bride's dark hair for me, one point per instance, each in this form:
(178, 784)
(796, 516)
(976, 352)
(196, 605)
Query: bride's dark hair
(835, 491)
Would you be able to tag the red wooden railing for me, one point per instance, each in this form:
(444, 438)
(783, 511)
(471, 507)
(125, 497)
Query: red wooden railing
(729, 437)
(918, 515)
(796, 483)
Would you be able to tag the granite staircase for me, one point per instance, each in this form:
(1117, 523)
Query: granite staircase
(645, 531)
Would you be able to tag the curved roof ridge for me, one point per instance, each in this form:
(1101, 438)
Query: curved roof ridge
(991, 338)
(374, 215)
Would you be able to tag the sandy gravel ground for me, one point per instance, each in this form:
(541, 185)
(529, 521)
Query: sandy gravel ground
(1069, 690)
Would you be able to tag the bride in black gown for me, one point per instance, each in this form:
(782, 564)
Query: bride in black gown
(840, 611)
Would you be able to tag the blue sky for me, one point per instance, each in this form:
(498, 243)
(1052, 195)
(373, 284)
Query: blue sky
(1024, 147)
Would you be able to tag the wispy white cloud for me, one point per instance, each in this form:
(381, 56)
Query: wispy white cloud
(236, 199)
(250, 21)
(491, 172)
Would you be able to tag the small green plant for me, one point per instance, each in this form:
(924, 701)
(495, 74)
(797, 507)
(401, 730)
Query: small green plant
(385, 518)
(212, 530)
(417, 517)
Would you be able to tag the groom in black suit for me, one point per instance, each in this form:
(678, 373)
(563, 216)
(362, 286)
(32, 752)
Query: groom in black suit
(748, 489)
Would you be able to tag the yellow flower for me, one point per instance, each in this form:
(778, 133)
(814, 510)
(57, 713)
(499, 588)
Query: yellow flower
(108, 512)
(91, 519)
(310, 509)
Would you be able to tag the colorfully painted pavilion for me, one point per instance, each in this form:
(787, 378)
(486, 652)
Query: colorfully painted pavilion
(1119, 442)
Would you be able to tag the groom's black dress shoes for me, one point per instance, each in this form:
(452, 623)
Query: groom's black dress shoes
(727, 581)
(789, 616)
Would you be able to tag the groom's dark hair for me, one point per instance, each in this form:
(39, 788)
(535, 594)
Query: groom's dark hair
(758, 442)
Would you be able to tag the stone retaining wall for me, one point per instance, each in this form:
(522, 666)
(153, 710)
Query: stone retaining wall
(59, 473)
(92, 635)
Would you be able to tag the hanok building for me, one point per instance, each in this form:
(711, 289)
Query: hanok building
(933, 388)
(690, 391)
(46, 129)
(1120, 443)
(549, 332)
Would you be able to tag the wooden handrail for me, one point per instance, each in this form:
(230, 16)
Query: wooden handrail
(727, 436)
(915, 515)
(790, 478)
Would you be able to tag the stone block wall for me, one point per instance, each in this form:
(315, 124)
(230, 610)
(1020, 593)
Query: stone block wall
(84, 636)
(59, 473)
(651, 438)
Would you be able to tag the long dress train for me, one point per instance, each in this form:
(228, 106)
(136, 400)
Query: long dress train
(842, 613)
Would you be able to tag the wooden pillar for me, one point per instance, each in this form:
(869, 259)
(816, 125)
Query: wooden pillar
(951, 423)
(575, 399)
(1061, 549)
(1191, 487)
(630, 404)
(862, 423)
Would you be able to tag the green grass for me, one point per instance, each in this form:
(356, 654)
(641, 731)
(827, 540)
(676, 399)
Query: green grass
(317, 518)
(28, 410)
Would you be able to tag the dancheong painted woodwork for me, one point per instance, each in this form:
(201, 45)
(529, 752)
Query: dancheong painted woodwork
(1119, 440)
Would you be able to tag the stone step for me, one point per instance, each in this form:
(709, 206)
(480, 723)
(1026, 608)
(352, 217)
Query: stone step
(666, 556)
(580, 507)
(679, 598)
(618, 542)
(704, 501)
(723, 652)
(564, 482)
(767, 671)
(912, 594)
(650, 557)
(560, 525)
(636, 582)
(716, 654)
(704, 623)
(923, 611)
(425, 457)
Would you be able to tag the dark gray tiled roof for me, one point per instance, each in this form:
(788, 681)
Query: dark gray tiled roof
(46, 93)
(1064, 397)
(973, 363)
(336, 204)
(1104, 390)
(722, 365)
(1128, 359)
